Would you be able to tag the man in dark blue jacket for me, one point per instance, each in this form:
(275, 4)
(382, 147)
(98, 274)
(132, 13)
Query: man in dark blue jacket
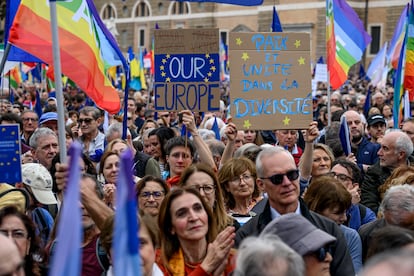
(279, 177)
(365, 152)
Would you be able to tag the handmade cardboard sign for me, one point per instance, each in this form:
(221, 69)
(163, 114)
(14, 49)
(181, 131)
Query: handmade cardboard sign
(187, 70)
(270, 83)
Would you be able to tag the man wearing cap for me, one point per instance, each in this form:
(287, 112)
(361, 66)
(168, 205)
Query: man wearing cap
(278, 176)
(311, 243)
(37, 182)
(376, 127)
(50, 120)
(364, 151)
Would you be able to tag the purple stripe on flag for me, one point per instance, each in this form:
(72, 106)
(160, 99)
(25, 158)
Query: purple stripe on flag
(344, 136)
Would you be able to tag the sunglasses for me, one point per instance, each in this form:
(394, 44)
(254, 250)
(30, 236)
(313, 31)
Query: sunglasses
(86, 120)
(322, 252)
(277, 179)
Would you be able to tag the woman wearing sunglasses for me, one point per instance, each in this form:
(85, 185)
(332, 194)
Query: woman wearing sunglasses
(313, 244)
(328, 197)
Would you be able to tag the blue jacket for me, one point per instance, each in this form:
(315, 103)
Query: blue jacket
(355, 217)
(367, 153)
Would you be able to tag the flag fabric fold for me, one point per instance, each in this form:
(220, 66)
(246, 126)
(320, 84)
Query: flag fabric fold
(377, 67)
(394, 48)
(87, 48)
(216, 129)
(67, 257)
(125, 239)
(276, 26)
(344, 136)
(346, 40)
(409, 56)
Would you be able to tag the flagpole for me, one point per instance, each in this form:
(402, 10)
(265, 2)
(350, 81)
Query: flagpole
(328, 89)
(58, 81)
(4, 59)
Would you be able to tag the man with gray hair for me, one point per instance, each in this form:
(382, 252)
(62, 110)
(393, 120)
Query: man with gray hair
(390, 263)
(45, 146)
(267, 256)
(397, 208)
(278, 176)
(396, 148)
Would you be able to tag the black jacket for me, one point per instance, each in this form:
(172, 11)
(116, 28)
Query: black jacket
(375, 177)
(341, 264)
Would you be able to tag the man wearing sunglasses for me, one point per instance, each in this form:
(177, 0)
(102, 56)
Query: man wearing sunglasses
(92, 139)
(278, 175)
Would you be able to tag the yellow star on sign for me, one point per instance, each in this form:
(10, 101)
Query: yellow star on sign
(168, 56)
(286, 121)
(245, 56)
(163, 74)
(213, 68)
(297, 43)
(205, 79)
(207, 55)
(247, 124)
(162, 67)
(301, 61)
(168, 79)
(164, 60)
(239, 41)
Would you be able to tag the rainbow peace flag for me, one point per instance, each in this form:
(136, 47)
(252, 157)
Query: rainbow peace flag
(409, 57)
(15, 77)
(346, 40)
(87, 47)
(394, 50)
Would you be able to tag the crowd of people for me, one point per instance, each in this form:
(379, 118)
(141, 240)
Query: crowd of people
(253, 202)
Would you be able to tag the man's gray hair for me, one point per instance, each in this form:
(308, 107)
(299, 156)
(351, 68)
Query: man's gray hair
(268, 255)
(266, 152)
(403, 143)
(39, 133)
(398, 262)
(397, 200)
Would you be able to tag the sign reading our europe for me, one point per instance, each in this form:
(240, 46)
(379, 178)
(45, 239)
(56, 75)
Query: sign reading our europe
(187, 71)
(270, 80)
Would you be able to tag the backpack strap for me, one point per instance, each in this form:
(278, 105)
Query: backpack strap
(101, 255)
(362, 211)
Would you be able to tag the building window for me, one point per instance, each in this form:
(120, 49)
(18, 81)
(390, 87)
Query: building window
(108, 12)
(224, 37)
(180, 8)
(160, 7)
(141, 38)
(142, 10)
(125, 11)
(375, 44)
(124, 38)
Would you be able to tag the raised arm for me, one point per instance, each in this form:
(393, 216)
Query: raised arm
(202, 148)
(305, 164)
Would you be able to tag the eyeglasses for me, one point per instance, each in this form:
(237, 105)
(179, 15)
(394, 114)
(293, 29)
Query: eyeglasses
(277, 179)
(30, 119)
(129, 118)
(155, 194)
(15, 234)
(86, 120)
(165, 115)
(322, 252)
(339, 176)
(244, 177)
(207, 189)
